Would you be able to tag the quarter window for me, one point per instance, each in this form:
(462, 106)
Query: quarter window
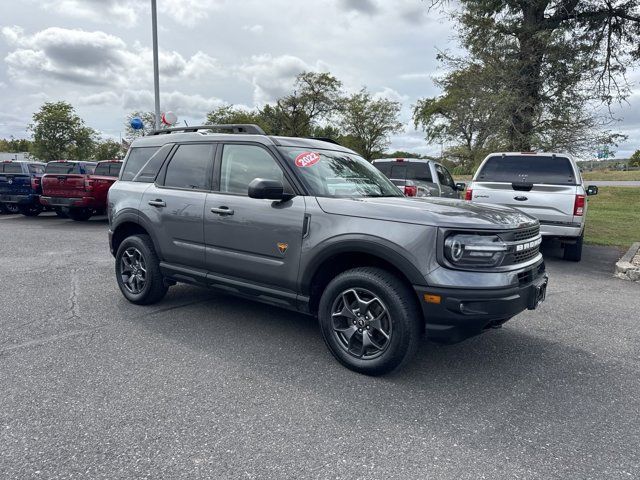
(243, 163)
(190, 167)
(137, 157)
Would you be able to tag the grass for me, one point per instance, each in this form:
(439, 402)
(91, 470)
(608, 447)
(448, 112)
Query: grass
(611, 175)
(613, 217)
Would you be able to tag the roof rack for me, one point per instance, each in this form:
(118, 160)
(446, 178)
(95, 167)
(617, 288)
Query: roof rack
(325, 139)
(227, 128)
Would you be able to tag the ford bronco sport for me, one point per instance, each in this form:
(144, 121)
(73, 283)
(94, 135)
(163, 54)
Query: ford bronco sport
(309, 225)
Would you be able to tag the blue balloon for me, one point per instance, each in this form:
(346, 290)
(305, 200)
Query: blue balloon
(136, 123)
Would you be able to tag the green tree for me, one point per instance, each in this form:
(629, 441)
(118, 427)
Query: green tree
(227, 114)
(108, 150)
(553, 61)
(15, 145)
(634, 161)
(367, 123)
(59, 133)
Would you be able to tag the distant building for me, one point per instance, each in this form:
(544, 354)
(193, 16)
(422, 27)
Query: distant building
(21, 156)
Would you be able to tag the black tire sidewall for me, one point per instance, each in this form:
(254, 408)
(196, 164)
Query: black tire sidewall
(404, 326)
(150, 263)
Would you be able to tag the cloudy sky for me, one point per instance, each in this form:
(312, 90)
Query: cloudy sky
(96, 54)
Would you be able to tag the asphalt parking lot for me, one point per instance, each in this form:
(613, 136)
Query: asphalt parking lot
(209, 386)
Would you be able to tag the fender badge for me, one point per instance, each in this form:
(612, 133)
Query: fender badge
(283, 247)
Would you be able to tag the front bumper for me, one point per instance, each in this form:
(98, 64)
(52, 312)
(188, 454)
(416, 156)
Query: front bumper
(19, 199)
(453, 314)
(69, 202)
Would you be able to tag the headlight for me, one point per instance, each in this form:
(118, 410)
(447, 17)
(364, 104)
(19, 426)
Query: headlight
(469, 250)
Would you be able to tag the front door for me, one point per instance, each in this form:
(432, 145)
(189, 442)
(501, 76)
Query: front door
(254, 240)
(175, 204)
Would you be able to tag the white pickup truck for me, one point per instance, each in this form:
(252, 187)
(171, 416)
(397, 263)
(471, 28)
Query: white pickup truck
(547, 186)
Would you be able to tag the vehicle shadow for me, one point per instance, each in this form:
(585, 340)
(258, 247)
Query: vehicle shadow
(499, 376)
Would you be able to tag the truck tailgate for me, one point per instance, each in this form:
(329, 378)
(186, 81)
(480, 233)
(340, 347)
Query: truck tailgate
(54, 185)
(551, 203)
(15, 184)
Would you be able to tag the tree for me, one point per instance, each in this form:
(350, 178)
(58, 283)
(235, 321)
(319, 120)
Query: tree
(634, 161)
(227, 114)
(15, 145)
(554, 61)
(108, 150)
(315, 97)
(367, 123)
(59, 133)
(148, 125)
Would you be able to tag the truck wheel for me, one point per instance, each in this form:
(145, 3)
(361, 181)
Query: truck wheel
(32, 210)
(60, 212)
(3, 209)
(138, 271)
(369, 320)
(79, 214)
(12, 208)
(573, 251)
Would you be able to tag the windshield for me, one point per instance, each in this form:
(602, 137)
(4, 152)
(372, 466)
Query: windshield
(338, 174)
(528, 169)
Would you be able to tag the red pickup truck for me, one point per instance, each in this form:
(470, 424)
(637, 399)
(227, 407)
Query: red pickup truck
(78, 189)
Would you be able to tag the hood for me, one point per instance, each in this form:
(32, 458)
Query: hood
(440, 212)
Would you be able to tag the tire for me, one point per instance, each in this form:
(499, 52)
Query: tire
(12, 208)
(3, 210)
(386, 337)
(151, 288)
(79, 214)
(60, 213)
(32, 210)
(573, 251)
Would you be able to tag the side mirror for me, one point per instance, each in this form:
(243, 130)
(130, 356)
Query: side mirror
(461, 187)
(268, 189)
(592, 190)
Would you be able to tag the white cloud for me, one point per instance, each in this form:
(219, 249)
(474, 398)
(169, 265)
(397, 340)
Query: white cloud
(188, 12)
(120, 12)
(102, 98)
(180, 103)
(257, 29)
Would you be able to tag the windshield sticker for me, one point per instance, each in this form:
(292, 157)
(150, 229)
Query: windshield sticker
(307, 159)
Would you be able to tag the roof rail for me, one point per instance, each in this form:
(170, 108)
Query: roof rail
(325, 139)
(227, 128)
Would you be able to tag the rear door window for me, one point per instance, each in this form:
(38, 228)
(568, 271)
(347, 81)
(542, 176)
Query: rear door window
(62, 168)
(190, 167)
(11, 168)
(528, 169)
(136, 159)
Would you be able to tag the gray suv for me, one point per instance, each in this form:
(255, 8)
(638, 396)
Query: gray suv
(308, 225)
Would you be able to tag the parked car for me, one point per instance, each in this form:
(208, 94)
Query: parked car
(311, 226)
(547, 186)
(20, 187)
(419, 177)
(79, 189)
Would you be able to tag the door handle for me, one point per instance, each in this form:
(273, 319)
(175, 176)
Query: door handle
(521, 198)
(157, 203)
(222, 211)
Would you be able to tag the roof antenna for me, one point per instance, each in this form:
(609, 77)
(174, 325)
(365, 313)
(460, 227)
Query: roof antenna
(185, 123)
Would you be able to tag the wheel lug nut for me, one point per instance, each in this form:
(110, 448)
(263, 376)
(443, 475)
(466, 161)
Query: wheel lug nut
(368, 327)
(354, 322)
(360, 330)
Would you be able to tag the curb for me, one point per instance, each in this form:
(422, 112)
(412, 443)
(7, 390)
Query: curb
(625, 269)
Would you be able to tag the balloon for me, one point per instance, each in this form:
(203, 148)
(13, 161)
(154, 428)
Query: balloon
(136, 123)
(169, 118)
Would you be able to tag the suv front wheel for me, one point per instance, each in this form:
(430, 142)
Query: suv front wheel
(369, 320)
(138, 271)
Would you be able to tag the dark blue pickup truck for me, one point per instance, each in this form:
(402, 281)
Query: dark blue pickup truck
(20, 187)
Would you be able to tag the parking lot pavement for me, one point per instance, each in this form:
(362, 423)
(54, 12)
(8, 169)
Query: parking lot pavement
(205, 385)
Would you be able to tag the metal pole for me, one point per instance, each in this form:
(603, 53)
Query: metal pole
(156, 76)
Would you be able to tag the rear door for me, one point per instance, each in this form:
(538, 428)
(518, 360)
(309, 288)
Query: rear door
(543, 186)
(175, 203)
(63, 179)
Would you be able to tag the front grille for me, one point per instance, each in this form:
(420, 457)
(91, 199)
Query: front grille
(521, 257)
(526, 233)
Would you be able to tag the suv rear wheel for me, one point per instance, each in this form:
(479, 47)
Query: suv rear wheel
(369, 320)
(138, 271)
(573, 251)
(11, 208)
